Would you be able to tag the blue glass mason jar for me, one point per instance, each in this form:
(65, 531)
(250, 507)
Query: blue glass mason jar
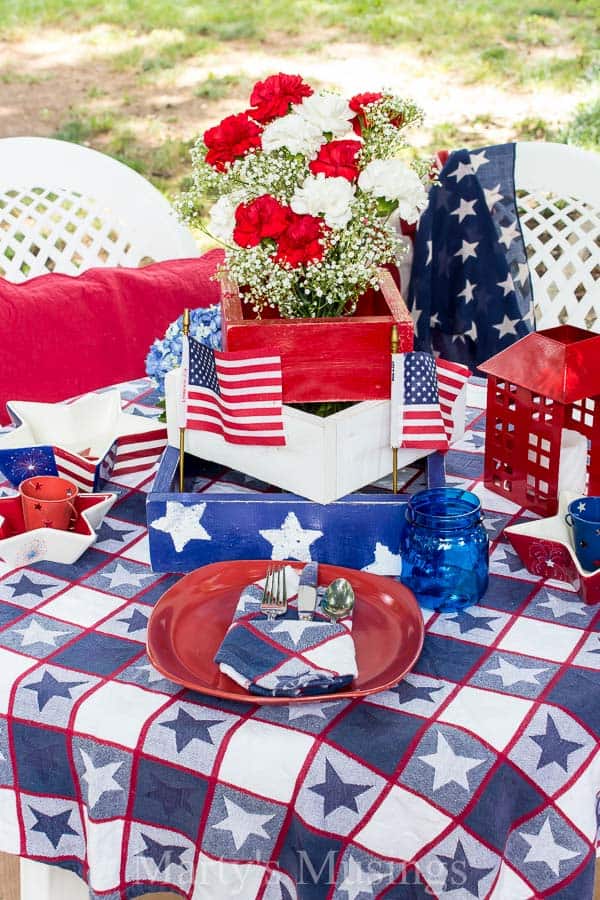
(444, 549)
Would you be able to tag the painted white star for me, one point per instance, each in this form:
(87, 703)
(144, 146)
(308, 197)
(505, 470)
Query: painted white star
(562, 608)
(511, 674)
(523, 272)
(581, 507)
(37, 634)
(434, 320)
(492, 196)
(465, 209)
(544, 848)
(358, 880)
(299, 710)
(182, 523)
(241, 824)
(291, 541)
(449, 766)
(467, 291)
(384, 562)
(294, 628)
(99, 779)
(508, 285)
(429, 252)
(121, 575)
(478, 159)
(506, 326)
(460, 171)
(509, 233)
(468, 249)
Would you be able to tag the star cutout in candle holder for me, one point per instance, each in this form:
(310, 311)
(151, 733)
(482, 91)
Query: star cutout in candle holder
(545, 548)
(21, 548)
(89, 438)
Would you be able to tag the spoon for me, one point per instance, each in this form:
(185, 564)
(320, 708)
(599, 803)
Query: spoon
(339, 599)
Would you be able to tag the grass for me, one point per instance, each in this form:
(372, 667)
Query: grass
(477, 39)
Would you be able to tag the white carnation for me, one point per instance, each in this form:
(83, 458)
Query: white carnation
(294, 133)
(328, 197)
(394, 180)
(327, 112)
(221, 220)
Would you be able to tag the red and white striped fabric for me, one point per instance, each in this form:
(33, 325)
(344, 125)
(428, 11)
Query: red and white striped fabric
(237, 395)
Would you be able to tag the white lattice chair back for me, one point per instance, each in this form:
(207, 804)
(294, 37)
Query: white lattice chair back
(66, 208)
(558, 198)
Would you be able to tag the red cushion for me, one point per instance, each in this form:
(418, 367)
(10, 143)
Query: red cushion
(62, 335)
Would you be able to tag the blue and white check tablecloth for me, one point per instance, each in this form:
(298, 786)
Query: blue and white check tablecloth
(476, 777)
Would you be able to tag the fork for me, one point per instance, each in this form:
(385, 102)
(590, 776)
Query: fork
(273, 602)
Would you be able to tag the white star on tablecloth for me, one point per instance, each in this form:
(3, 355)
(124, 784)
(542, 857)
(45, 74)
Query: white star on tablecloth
(300, 710)
(508, 285)
(543, 848)
(182, 523)
(384, 562)
(358, 880)
(509, 233)
(294, 628)
(468, 249)
(560, 608)
(121, 575)
(506, 326)
(449, 766)
(291, 541)
(35, 633)
(241, 824)
(464, 209)
(511, 674)
(467, 291)
(99, 779)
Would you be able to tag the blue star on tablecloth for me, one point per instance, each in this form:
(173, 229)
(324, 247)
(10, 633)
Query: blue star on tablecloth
(171, 798)
(407, 692)
(467, 622)
(136, 621)
(54, 827)
(49, 687)
(460, 874)
(25, 586)
(187, 728)
(162, 855)
(336, 792)
(554, 747)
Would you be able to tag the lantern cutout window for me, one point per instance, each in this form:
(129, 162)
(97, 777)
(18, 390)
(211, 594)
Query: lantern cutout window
(543, 418)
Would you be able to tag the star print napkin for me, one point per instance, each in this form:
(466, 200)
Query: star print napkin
(285, 656)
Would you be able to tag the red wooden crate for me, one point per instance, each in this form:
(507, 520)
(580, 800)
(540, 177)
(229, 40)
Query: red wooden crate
(345, 358)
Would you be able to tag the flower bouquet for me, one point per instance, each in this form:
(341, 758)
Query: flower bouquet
(309, 189)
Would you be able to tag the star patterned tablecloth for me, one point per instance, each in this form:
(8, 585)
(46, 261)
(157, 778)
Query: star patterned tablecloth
(475, 777)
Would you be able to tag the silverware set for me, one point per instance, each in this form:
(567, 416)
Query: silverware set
(338, 601)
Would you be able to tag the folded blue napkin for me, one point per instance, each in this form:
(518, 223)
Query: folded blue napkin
(286, 656)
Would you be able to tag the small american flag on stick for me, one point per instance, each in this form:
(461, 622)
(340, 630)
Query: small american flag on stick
(424, 391)
(237, 395)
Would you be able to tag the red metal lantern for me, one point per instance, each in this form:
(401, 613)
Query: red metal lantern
(540, 388)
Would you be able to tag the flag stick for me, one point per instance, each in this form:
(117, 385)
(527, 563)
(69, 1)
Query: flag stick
(186, 331)
(394, 347)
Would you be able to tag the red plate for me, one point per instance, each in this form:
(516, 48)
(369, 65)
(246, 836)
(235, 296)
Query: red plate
(189, 621)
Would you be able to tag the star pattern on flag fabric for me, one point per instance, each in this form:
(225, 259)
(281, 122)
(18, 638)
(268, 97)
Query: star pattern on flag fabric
(544, 848)
(555, 749)
(511, 674)
(162, 855)
(509, 233)
(461, 171)
(49, 687)
(54, 827)
(460, 874)
(188, 728)
(241, 823)
(492, 196)
(100, 780)
(477, 160)
(336, 792)
(449, 766)
(467, 250)
(467, 291)
(291, 541)
(182, 523)
(507, 285)
(464, 209)
(506, 326)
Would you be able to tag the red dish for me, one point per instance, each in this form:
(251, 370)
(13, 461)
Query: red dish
(189, 621)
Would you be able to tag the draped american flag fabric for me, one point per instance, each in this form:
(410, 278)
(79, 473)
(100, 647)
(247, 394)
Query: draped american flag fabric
(424, 391)
(237, 395)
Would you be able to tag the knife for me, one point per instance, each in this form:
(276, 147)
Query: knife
(307, 591)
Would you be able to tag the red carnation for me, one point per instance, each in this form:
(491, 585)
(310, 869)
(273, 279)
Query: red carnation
(273, 96)
(262, 218)
(337, 158)
(229, 140)
(357, 105)
(300, 242)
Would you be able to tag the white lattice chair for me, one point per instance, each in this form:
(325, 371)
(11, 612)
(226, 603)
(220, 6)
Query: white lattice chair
(66, 208)
(558, 198)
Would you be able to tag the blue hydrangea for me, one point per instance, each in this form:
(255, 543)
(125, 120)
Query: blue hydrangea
(165, 354)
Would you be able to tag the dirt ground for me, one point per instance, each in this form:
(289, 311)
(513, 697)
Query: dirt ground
(50, 77)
